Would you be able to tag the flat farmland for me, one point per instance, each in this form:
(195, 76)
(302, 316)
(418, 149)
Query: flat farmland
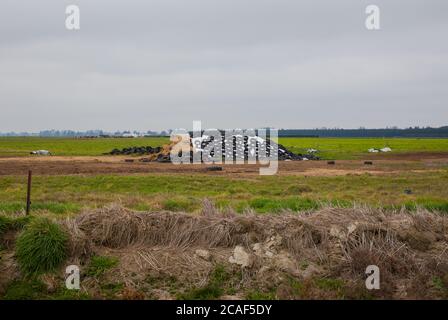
(22, 146)
(357, 148)
(329, 148)
(80, 177)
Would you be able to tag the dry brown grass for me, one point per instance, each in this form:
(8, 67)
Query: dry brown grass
(334, 244)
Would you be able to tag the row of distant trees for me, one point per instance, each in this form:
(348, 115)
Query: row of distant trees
(88, 133)
(412, 132)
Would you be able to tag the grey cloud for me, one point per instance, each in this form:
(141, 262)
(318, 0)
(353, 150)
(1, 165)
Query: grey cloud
(161, 64)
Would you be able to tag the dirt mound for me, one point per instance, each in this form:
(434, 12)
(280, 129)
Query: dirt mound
(323, 253)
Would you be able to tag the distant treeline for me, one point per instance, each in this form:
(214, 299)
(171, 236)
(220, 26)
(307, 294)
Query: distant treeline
(88, 133)
(414, 132)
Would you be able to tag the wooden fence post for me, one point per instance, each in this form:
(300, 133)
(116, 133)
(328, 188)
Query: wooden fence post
(28, 194)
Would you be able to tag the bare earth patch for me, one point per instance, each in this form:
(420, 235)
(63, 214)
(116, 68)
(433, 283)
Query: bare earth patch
(118, 165)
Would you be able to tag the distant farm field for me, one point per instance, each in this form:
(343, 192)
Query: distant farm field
(22, 146)
(353, 148)
(329, 148)
(136, 187)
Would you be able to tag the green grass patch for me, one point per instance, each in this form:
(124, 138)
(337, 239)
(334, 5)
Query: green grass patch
(355, 148)
(181, 204)
(260, 295)
(53, 207)
(110, 290)
(208, 292)
(429, 204)
(329, 284)
(100, 264)
(69, 194)
(66, 294)
(163, 281)
(29, 289)
(332, 285)
(329, 148)
(12, 223)
(41, 247)
(34, 289)
(267, 205)
(438, 283)
(22, 146)
(214, 289)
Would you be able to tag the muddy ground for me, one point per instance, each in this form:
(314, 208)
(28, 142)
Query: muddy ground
(118, 165)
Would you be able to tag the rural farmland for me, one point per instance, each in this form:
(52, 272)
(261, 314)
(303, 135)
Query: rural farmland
(330, 148)
(79, 183)
(223, 159)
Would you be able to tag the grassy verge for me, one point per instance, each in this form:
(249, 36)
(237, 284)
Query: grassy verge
(66, 195)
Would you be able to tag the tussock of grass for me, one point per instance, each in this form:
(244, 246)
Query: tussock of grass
(41, 247)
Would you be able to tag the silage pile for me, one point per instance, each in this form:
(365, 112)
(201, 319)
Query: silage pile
(234, 147)
(267, 251)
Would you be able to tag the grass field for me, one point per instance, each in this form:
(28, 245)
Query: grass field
(353, 148)
(22, 146)
(70, 194)
(330, 148)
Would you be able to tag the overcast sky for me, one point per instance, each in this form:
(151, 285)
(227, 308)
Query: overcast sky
(160, 64)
